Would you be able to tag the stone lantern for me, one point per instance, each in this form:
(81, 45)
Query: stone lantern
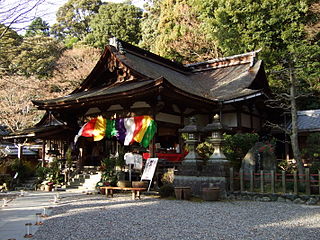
(216, 129)
(193, 138)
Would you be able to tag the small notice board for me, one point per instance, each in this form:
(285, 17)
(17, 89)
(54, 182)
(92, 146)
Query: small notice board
(149, 170)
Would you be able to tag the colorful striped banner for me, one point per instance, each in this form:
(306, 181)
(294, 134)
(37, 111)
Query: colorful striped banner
(139, 129)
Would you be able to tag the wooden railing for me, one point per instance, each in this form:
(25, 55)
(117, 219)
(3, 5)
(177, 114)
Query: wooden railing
(275, 182)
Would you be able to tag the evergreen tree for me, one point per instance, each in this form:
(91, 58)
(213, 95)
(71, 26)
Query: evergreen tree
(149, 25)
(173, 29)
(9, 42)
(120, 20)
(73, 19)
(279, 28)
(37, 27)
(37, 56)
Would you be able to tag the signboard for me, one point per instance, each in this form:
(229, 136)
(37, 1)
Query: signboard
(149, 169)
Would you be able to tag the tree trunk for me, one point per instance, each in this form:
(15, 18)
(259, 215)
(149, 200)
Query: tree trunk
(294, 120)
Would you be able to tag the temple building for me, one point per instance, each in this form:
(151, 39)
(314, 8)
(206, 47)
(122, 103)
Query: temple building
(128, 81)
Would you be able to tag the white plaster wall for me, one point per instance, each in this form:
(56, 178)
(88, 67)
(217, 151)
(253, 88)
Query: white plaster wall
(229, 119)
(256, 123)
(245, 120)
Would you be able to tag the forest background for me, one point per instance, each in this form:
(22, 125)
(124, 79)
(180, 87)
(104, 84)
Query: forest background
(50, 61)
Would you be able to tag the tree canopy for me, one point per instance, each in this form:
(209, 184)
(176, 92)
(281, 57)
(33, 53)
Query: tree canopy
(173, 29)
(73, 18)
(37, 56)
(119, 20)
(37, 27)
(9, 43)
(278, 27)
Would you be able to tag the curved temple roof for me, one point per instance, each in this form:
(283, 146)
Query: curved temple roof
(124, 69)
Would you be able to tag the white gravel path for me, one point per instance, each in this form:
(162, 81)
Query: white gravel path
(120, 218)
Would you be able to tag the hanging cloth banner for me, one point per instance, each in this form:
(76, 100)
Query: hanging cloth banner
(130, 126)
(139, 129)
(95, 128)
(111, 130)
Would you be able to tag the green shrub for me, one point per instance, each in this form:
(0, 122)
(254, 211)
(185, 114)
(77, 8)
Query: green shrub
(287, 166)
(41, 172)
(23, 168)
(5, 178)
(312, 151)
(235, 147)
(108, 171)
(166, 190)
(69, 158)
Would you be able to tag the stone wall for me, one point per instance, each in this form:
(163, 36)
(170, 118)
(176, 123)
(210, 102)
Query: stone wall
(268, 197)
(200, 182)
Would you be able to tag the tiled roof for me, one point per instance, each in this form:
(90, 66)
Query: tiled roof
(12, 150)
(86, 95)
(215, 80)
(308, 121)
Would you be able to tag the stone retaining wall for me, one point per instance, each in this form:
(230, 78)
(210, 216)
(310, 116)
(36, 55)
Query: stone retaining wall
(268, 197)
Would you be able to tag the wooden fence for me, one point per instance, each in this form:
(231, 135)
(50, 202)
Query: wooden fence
(273, 182)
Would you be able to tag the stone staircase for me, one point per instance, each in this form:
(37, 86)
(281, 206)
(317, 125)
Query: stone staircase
(27, 184)
(85, 181)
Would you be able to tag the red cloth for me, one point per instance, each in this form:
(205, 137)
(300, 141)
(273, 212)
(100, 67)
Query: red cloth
(89, 128)
(171, 157)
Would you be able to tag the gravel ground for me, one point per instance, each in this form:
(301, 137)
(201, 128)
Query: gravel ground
(120, 218)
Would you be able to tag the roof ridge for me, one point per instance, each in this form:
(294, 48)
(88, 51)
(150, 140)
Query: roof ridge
(123, 46)
(249, 57)
(309, 112)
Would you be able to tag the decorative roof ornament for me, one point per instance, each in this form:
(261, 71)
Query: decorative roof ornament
(113, 41)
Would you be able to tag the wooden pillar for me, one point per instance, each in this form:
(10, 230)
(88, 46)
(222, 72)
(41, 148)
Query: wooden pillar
(241, 180)
(251, 181)
(261, 181)
(43, 154)
(231, 180)
(181, 149)
(273, 181)
(239, 122)
(307, 180)
(283, 179)
(153, 141)
(251, 115)
(295, 182)
(319, 180)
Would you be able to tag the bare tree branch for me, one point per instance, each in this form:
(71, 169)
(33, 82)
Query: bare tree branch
(14, 13)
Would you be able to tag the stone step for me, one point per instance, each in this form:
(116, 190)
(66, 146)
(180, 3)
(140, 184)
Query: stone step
(85, 181)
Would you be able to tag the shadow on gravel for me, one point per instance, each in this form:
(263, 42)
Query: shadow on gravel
(119, 218)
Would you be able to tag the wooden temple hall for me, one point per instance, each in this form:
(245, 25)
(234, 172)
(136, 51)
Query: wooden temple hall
(128, 81)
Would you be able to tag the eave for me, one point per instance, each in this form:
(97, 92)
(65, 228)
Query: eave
(46, 132)
(150, 89)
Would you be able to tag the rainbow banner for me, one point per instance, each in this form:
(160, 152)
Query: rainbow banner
(139, 129)
(95, 128)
